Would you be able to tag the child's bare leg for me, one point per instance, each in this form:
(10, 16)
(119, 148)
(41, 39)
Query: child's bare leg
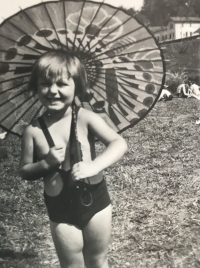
(68, 242)
(96, 239)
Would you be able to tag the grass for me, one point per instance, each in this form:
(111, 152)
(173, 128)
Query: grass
(154, 190)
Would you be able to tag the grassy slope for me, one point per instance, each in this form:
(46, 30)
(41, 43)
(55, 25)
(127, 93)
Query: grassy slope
(154, 189)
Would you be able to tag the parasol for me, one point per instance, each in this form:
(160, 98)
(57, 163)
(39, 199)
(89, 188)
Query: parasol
(122, 58)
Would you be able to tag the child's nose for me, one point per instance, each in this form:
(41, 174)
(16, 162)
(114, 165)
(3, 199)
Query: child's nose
(53, 89)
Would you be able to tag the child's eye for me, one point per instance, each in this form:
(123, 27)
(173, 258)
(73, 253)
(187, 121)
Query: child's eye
(45, 84)
(62, 84)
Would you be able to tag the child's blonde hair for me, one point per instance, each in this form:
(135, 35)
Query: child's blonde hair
(52, 64)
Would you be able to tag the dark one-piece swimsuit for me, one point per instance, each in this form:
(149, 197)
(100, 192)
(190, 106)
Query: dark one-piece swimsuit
(78, 202)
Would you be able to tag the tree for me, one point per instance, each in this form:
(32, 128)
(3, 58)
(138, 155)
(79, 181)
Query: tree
(139, 15)
(159, 11)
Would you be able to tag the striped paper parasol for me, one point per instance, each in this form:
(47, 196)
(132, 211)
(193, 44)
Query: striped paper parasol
(123, 60)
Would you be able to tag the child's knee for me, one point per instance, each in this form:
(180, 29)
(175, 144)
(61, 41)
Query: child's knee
(97, 261)
(64, 263)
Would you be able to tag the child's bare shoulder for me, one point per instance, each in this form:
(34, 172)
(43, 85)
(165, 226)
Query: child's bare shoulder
(87, 115)
(32, 129)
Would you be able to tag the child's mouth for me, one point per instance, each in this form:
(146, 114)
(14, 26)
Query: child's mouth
(52, 100)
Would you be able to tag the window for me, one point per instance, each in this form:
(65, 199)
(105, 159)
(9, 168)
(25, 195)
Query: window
(186, 34)
(170, 36)
(190, 33)
(157, 38)
(171, 26)
(163, 38)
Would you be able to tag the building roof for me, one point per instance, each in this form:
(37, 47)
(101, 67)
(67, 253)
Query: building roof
(156, 29)
(197, 31)
(185, 19)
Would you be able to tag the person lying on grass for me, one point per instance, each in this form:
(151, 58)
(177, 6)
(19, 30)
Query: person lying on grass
(165, 95)
(194, 91)
(75, 194)
(183, 91)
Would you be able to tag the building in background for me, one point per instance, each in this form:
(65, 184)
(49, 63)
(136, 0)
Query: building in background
(177, 28)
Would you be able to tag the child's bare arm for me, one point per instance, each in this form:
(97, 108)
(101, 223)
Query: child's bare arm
(115, 147)
(29, 170)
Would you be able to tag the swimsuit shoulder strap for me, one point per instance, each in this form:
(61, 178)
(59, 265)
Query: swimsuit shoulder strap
(46, 132)
(48, 135)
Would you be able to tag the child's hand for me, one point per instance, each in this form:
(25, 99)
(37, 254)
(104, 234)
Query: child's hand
(55, 156)
(83, 170)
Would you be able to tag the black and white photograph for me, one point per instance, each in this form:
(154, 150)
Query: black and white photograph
(99, 134)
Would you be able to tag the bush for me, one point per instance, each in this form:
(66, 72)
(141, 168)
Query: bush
(174, 79)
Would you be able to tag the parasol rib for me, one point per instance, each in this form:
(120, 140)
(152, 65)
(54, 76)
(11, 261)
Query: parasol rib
(97, 11)
(88, 44)
(111, 50)
(126, 69)
(4, 118)
(118, 70)
(153, 83)
(15, 86)
(122, 93)
(36, 114)
(47, 12)
(7, 51)
(122, 77)
(112, 98)
(119, 106)
(78, 23)
(8, 38)
(65, 23)
(109, 34)
(116, 29)
(20, 30)
(8, 100)
(122, 36)
(134, 61)
(11, 79)
(82, 103)
(148, 71)
(105, 110)
(140, 80)
(23, 114)
(16, 62)
(129, 53)
(35, 26)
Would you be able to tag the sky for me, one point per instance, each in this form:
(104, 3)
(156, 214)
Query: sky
(10, 7)
(136, 4)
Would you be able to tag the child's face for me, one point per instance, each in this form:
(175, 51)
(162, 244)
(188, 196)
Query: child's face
(56, 94)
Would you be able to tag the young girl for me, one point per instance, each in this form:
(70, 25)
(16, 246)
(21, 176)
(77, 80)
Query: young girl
(75, 194)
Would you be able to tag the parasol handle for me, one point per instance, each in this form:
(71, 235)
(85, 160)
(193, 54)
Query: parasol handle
(78, 152)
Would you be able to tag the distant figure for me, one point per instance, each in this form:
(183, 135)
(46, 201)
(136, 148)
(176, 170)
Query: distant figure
(194, 91)
(165, 95)
(3, 135)
(183, 91)
(197, 121)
